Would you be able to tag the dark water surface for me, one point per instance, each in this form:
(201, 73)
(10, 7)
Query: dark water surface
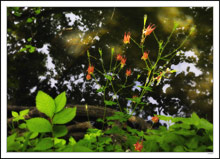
(62, 37)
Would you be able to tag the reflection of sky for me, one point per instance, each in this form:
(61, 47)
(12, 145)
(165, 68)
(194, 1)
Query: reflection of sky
(183, 66)
(49, 65)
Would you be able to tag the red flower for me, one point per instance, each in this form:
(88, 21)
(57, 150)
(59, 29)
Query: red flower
(90, 70)
(145, 56)
(88, 77)
(155, 119)
(128, 72)
(149, 29)
(127, 38)
(158, 77)
(138, 146)
(119, 57)
(123, 61)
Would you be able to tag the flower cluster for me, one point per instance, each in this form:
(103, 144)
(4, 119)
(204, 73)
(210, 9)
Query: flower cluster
(138, 146)
(127, 38)
(90, 71)
(155, 119)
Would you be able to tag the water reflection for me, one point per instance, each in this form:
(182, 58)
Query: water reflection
(62, 37)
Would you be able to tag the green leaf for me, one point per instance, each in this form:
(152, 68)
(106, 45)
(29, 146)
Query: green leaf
(165, 118)
(14, 114)
(33, 135)
(32, 49)
(22, 126)
(45, 104)
(179, 149)
(108, 77)
(59, 142)
(146, 88)
(59, 130)
(24, 112)
(72, 141)
(37, 11)
(44, 144)
(108, 102)
(100, 89)
(39, 125)
(79, 148)
(29, 39)
(29, 20)
(65, 116)
(17, 14)
(60, 102)
(23, 49)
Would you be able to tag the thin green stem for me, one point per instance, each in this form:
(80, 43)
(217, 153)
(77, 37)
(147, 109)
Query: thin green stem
(115, 94)
(135, 42)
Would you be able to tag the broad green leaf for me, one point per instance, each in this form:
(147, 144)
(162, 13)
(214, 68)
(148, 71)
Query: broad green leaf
(29, 20)
(12, 145)
(59, 142)
(150, 146)
(100, 89)
(165, 118)
(59, 130)
(14, 114)
(79, 148)
(44, 144)
(64, 116)
(24, 112)
(72, 141)
(17, 14)
(22, 126)
(108, 102)
(33, 135)
(39, 125)
(179, 149)
(192, 143)
(60, 102)
(45, 104)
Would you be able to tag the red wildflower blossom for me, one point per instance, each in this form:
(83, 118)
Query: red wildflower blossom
(145, 56)
(155, 119)
(149, 30)
(127, 38)
(158, 77)
(138, 146)
(123, 61)
(119, 57)
(90, 70)
(128, 72)
(88, 77)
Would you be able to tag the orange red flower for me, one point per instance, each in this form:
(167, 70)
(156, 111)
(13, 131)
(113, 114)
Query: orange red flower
(119, 57)
(90, 70)
(123, 61)
(138, 146)
(128, 72)
(88, 77)
(145, 56)
(149, 30)
(155, 119)
(127, 38)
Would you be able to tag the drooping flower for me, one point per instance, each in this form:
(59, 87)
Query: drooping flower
(138, 146)
(127, 38)
(90, 70)
(88, 77)
(155, 119)
(159, 77)
(119, 57)
(123, 61)
(128, 72)
(145, 56)
(149, 29)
